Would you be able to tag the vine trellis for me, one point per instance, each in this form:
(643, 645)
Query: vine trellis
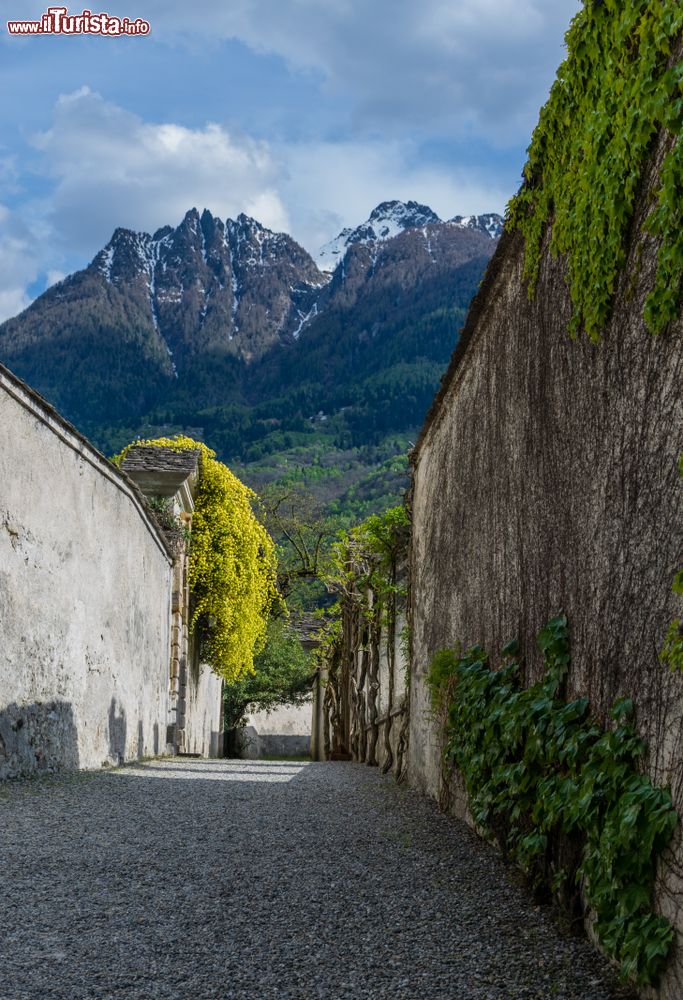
(366, 702)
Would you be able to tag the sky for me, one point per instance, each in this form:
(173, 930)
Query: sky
(302, 113)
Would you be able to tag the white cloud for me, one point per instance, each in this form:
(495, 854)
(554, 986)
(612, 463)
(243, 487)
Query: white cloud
(356, 176)
(483, 65)
(54, 276)
(20, 263)
(111, 168)
(12, 301)
(402, 72)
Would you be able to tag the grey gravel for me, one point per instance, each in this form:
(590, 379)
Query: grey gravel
(192, 879)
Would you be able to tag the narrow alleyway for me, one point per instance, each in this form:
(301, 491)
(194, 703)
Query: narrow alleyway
(194, 879)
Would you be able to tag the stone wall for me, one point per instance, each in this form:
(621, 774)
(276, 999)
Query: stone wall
(545, 480)
(285, 731)
(203, 730)
(85, 601)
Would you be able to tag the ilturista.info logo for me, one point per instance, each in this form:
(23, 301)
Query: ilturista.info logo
(58, 21)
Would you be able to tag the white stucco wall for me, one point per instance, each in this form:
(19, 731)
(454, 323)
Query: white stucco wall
(204, 713)
(85, 584)
(286, 730)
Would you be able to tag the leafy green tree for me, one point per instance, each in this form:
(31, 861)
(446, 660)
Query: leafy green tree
(283, 673)
(303, 533)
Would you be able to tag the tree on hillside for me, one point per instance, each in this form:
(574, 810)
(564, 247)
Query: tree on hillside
(303, 533)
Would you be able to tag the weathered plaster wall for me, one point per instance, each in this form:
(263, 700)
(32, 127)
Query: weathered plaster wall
(546, 479)
(204, 712)
(284, 731)
(85, 582)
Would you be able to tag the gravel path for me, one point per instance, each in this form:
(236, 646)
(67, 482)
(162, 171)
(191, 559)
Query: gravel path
(194, 879)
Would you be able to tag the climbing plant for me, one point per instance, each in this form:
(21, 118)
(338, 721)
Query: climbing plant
(537, 768)
(365, 556)
(672, 650)
(364, 575)
(620, 85)
(166, 517)
(232, 566)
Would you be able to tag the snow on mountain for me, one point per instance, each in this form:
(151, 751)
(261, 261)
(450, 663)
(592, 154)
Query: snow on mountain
(208, 281)
(257, 246)
(391, 218)
(386, 221)
(491, 224)
(229, 311)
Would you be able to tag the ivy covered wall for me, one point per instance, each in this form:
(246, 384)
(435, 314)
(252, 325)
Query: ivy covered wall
(546, 477)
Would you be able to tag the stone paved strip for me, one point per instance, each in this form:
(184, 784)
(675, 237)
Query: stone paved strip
(218, 879)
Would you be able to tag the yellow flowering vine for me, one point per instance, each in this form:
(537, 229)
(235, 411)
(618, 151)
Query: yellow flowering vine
(232, 567)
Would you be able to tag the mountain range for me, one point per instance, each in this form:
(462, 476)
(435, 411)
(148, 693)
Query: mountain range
(240, 334)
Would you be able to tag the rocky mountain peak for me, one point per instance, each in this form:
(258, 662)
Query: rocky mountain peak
(390, 219)
(491, 224)
(243, 222)
(234, 287)
(214, 311)
(390, 215)
(385, 221)
(161, 233)
(125, 257)
(238, 289)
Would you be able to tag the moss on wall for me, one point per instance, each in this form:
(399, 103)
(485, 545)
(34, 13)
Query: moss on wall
(620, 85)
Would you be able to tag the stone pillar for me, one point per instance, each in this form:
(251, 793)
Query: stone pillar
(317, 719)
(179, 646)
